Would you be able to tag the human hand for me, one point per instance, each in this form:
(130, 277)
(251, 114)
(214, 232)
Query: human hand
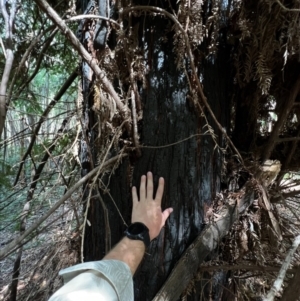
(148, 210)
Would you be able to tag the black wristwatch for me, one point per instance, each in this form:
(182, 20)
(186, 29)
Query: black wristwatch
(138, 231)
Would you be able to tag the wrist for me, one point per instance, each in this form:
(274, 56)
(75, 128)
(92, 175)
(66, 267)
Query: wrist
(129, 251)
(134, 244)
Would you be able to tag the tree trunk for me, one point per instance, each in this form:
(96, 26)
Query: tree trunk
(192, 168)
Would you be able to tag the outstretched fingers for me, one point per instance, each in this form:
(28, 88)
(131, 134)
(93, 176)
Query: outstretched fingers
(143, 188)
(135, 198)
(160, 190)
(149, 185)
(165, 215)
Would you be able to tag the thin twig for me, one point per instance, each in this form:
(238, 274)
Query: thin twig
(287, 139)
(242, 266)
(89, 197)
(42, 119)
(106, 191)
(100, 74)
(4, 252)
(296, 10)
(171, 144)
(80, 17)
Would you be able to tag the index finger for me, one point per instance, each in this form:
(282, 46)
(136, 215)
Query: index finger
(160, 190)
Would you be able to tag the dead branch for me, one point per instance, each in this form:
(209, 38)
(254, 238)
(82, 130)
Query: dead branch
(39, 60)
(26, 210)
(287, 9)
(26, 55)
(51, 105)
(4, 252)
(283, 196)
(292, 292)
(100, 74)
(15, 276)
(242, 266)
(267, 205)
(203, 245)
(106, 219)
(80, 17)
(287, 139)
(278, 282)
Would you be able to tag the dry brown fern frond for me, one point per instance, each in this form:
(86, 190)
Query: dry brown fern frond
(263, 74)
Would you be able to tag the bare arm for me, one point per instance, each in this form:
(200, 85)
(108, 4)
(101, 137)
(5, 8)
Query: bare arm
(147, 211)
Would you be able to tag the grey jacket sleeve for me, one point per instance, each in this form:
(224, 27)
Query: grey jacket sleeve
(105, 280)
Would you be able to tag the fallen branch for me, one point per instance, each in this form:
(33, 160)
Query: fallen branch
(204, 244)
(279, 281)
(242, 266)
(292, 292)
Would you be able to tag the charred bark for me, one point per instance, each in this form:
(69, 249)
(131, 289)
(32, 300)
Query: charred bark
(192, 169)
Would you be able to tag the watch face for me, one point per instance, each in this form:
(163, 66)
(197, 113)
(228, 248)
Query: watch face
(138, 231)
(136, 228)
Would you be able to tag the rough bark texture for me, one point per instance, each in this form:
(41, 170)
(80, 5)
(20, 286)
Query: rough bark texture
(192, 169)
(209, 239)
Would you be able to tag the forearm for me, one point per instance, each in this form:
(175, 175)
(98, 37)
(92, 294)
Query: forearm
(129, 251)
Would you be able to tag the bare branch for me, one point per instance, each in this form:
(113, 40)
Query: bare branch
(279, 140)
(39, 60)
(16, 243)
(24, 58)
(292, 292)
(100, 74)
(51, 105)
(287, 9)
(242, 266)
(80, 17)
(278, 282)
(203, 245)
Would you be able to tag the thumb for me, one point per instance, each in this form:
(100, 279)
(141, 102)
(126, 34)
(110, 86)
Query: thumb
(166, 214)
